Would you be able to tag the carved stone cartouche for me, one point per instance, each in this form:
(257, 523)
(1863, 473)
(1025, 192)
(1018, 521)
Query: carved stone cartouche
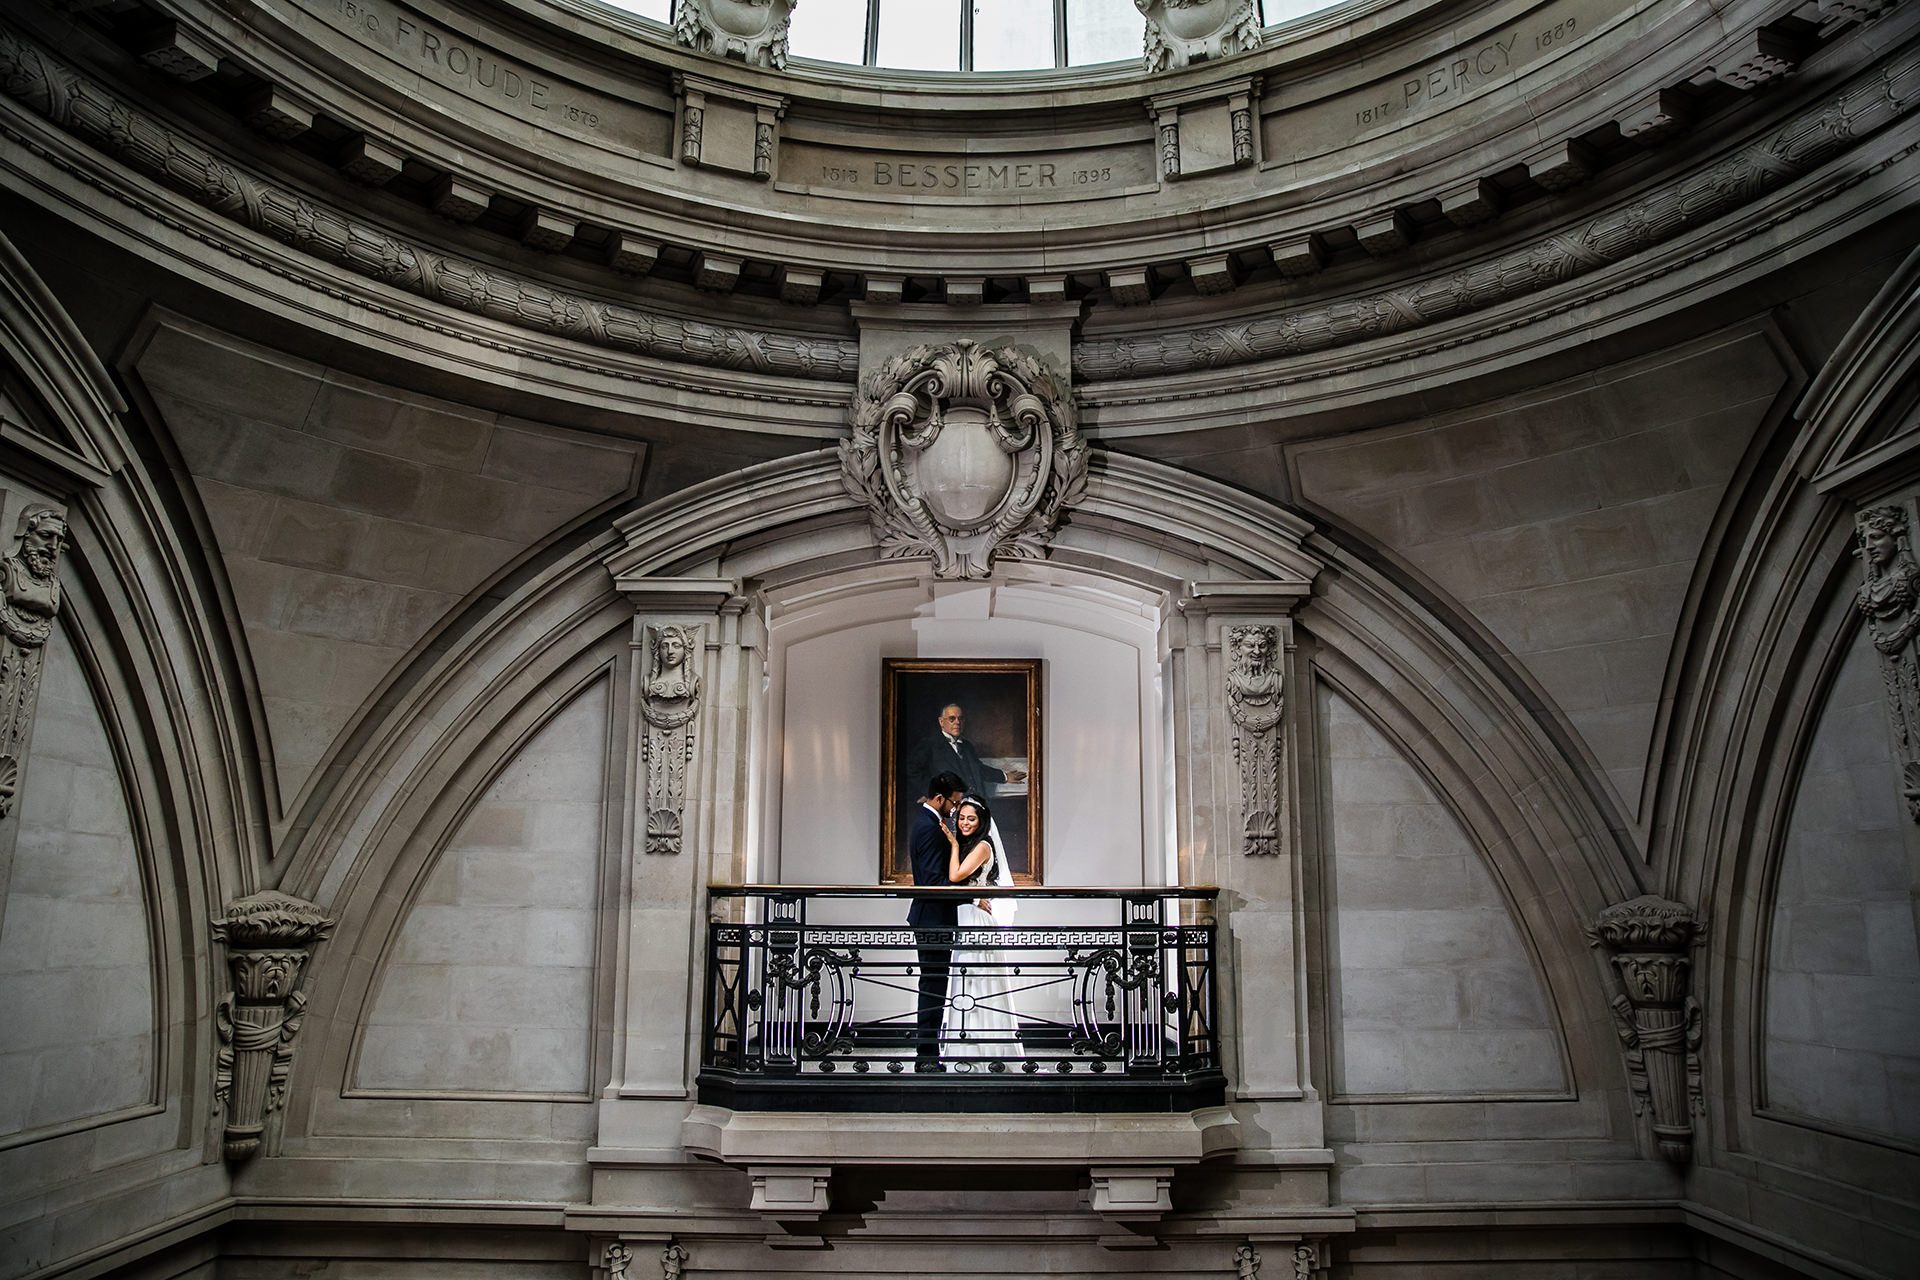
(1255, 702)
(1890, 601)
(669, 705)
(1650, 941)
(29, 602)
(269, 938)
(964, 453)
(1182, 32)
(750, 31)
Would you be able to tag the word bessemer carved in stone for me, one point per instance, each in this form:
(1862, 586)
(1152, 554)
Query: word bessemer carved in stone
(669, 702)
(269, 937)
(1650, 942)
(963, 453)
(1255, 701)
(752, 31)
(29, 601)
(1182, 32)
(1890, 600)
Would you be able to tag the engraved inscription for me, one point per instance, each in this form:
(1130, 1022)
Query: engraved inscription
(479, 72)
(959, 177)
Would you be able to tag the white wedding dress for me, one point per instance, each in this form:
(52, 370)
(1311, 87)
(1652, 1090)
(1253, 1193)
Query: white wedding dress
(980, 1020)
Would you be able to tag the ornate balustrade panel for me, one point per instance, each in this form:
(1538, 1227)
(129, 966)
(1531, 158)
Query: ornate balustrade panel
(806, 1009)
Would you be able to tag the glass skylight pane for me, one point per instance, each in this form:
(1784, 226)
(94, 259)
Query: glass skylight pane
(658, 10)
(1012, 35)
(1103, 31)
(919, 35)
(830, 30)
(1274, 12)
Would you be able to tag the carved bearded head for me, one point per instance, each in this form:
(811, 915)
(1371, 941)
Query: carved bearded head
(43, 536)
(1253, 650)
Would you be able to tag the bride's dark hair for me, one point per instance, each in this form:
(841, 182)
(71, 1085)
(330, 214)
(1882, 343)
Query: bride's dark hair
(981, 808)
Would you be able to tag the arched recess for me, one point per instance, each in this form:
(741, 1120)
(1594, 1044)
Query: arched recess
(135, 700)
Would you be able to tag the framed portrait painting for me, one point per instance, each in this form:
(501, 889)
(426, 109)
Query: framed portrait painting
(977, 718)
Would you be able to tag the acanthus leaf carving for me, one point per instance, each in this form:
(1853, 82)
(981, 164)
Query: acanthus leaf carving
(964, 453)
(750, 31)
(1182, 32)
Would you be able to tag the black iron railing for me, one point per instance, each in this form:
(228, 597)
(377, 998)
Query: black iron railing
(1091, 1000)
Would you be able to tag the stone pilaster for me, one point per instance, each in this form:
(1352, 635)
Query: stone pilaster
(269, 938)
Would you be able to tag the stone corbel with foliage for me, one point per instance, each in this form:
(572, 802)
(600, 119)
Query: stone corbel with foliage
(1182, 32)
(750, 31)
(1650, 942)
(269, 939)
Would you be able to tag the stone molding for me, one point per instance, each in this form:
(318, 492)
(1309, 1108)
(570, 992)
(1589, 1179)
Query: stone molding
(1649, 942)
(29, 604)
(269, 938)
(79, 106)
(1824, 130)
(963, 453)
(1853, 439)
(1180, 33)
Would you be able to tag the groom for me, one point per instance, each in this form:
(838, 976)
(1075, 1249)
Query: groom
(928, 846)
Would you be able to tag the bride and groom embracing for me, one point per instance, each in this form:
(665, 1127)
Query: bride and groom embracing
(965, 1005)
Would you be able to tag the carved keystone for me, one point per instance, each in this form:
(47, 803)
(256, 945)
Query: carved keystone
(269, 938)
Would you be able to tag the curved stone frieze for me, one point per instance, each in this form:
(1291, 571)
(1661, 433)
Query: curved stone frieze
(83, 108)
(1825, 129)
(963, 453)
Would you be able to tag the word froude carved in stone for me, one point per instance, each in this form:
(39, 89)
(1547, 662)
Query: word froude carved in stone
(269, 938)
(669, 704)
(1650, 941)
(750, 31)
(1890, 601)
(29, 602)
(1255, 703)
(1182, 32)
(964, 453)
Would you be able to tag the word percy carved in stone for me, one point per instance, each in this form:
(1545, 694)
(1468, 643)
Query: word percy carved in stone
(29, 602)
(750, 31)
(1649, 941)
(1255, 701)
(1890, 601)
(269, 938)
(964, 453)
(1182, 32)
(669, 704)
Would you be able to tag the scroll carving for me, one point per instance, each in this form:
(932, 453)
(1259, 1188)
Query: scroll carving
(83, 108)
(269, 938)
(29, 603)
(964, 453)
(1182, 32)
(750, 31)
(1305, 1259)
(1246, 1262)
(619, 1258)
(1242, 135)
(1650, 941)
(1255, 701)
(673, 1260)
(669, 704)
(1890, 600)
(1170, 148)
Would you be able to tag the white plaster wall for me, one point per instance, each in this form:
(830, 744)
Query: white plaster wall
(76, 959)
(1433, 990)
(1843, 967)
(489, 987)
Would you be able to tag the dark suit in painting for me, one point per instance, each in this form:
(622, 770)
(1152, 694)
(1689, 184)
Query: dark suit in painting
(927, 845)
(934, 754)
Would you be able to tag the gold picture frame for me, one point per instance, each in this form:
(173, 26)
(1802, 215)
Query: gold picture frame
(1001, 699)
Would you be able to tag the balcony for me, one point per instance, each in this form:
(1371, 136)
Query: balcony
(1092, 1000)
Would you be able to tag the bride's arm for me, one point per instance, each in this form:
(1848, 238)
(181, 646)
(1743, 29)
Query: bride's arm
(958, 868)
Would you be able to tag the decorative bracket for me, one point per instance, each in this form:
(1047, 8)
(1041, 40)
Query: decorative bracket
(1649, 941)
(1183, 32)
(749, 31)
(269, 938)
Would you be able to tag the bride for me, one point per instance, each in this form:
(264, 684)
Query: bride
(980, 1019)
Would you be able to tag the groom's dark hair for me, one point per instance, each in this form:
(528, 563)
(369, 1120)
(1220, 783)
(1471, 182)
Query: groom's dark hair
(944, 784)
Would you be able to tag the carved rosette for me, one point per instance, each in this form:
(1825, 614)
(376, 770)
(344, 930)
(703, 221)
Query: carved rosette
(750, 31)
(1890, 601)
(29, 603)
(1182, 32)
(269, 937)
(1650, 941)
(964, 453)
(1255, 701)
(669, 707)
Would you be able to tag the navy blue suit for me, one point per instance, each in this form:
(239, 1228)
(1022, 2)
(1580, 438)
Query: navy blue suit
(928, 846)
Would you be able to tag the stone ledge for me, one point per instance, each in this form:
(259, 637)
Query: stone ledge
(906, 1138)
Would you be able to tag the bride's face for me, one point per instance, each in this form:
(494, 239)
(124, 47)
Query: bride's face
(968, 820)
